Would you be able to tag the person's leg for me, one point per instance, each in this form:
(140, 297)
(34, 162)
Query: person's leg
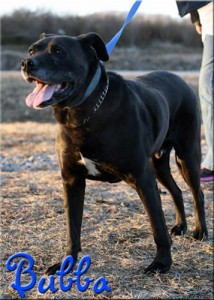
(206, 84)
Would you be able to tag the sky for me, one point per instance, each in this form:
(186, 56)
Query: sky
(84, 7)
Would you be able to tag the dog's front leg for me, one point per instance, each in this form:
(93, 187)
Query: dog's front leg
(147, 189)
(74, 193)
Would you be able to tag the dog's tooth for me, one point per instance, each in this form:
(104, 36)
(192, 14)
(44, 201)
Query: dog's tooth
(58, 87)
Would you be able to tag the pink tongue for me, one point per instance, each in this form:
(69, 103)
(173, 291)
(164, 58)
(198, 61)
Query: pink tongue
(40, 94)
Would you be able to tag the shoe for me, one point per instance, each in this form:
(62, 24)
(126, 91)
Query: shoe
(207, 175)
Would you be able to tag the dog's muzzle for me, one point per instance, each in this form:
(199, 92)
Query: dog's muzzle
(26, 63)
(27, 67)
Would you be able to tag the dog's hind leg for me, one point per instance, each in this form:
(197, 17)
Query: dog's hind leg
(146, 186)
(190, 171)
(186, 140)
(164, 176)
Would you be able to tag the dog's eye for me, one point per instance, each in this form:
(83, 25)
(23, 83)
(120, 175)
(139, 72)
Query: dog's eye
(58, 50)
(30, 51)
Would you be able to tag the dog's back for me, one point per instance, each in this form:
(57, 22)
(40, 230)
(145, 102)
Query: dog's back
(165, 106)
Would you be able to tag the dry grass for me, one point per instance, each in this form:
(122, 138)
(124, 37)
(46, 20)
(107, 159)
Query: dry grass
(116, 232)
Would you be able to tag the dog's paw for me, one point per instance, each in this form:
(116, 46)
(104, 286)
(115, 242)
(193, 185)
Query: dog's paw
(157, 267)
(201, 235)
(178, 229)
(160, 264)
(68, 263)
(52, 269)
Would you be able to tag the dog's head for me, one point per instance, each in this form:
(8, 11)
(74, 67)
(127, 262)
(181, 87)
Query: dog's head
(60, 65)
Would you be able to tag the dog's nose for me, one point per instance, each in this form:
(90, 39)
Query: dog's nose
(27, 63)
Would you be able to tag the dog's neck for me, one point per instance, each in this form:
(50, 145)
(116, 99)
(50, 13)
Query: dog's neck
(98, 103)
(93, 107)
(92, 86)
(90, 89)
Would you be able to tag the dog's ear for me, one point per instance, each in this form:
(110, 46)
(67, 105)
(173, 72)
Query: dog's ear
(45, 35)
(94, 40)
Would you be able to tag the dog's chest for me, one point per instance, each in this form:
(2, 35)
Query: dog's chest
(90, 165)
(85, 156)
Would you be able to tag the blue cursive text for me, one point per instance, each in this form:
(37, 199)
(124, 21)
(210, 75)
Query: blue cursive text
(82, 283)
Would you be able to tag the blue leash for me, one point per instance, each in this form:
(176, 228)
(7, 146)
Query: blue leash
(111, 44)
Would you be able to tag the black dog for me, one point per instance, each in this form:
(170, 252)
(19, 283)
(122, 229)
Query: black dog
(111, 129)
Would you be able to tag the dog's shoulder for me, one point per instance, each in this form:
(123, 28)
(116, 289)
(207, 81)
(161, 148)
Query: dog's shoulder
(115, 77)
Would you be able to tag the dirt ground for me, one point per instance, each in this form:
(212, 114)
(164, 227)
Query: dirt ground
(116, 233)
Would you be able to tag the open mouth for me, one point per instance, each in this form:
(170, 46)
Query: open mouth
(45, 94)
